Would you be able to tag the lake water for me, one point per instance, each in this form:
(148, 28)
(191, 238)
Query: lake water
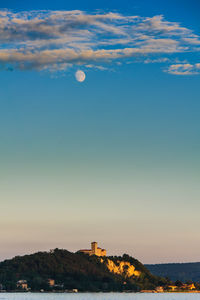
(99, 296)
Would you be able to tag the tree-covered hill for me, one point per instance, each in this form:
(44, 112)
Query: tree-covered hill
(77, 271)
(177, 271)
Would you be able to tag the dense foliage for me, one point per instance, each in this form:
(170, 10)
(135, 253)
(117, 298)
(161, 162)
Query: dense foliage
(73, 271)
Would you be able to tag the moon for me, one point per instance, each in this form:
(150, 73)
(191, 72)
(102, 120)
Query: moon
(80, 76)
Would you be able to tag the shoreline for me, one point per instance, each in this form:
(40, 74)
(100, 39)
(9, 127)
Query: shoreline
(101, 292)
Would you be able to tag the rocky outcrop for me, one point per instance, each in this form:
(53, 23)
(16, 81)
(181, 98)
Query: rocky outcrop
(122, 268)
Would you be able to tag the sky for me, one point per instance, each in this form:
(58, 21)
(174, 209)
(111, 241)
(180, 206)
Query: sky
(114, 158)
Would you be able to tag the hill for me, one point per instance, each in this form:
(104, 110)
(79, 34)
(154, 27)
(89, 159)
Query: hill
(177, 271)
(77, 271)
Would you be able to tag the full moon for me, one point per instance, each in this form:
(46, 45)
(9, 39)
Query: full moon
(80, 76)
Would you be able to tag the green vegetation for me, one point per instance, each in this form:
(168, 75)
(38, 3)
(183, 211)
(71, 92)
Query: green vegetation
(74, 271)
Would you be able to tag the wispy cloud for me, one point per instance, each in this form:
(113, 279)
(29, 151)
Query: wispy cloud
(184, 69)
(57, 40)
(156, 60)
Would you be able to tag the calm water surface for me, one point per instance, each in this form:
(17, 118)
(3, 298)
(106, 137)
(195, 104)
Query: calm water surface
(99, 296)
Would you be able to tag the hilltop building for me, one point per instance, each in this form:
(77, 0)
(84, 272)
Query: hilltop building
(95, 250)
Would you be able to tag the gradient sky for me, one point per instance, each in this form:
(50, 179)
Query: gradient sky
(113, 159)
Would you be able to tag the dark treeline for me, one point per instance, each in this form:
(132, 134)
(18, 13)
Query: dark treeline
(74, 271)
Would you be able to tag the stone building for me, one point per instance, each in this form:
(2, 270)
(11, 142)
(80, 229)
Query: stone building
(22, 284)
(95, 250)
(51, 282)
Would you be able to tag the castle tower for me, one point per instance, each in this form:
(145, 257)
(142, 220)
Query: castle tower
(94, 248)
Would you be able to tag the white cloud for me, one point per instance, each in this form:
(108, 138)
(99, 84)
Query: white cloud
(184, 69)
(192, 40)
(53, 40)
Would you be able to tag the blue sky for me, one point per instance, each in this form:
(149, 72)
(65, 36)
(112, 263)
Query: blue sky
(114, 156)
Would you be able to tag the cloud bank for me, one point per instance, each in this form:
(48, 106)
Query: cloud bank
(57, 40)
